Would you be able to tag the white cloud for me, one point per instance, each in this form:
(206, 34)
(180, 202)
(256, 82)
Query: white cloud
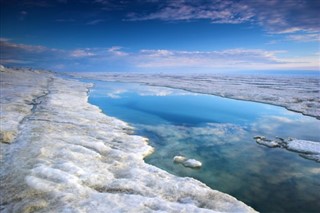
(5, 43)
(214, 133)
(157, 53)
(14, 61)
(81, 53)
(116, 50)
(305, 37)
(22, 16)
(95, 22)
(4, 39)
(230, 58)
(276, 16)
(155, 59)
(115, 94)
(65, 20)
(217, 11)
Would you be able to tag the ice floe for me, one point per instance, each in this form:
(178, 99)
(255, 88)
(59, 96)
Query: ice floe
(179, 159)
(192, 163)
(305, 148)
(67, 156)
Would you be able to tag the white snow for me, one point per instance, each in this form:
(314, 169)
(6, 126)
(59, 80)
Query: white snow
(67, 156)
(179, 159)
(306, 149)
(304, 146)
(192, 163)
(16, 102)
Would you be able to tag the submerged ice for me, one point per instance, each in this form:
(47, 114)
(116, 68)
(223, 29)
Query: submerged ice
(66, 156)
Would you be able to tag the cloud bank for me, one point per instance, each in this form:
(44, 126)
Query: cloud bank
(117, 59)
(276, 16)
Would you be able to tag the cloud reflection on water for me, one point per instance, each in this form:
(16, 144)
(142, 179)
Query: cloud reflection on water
(140, 90)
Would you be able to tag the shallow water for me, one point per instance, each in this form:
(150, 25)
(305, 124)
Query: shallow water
(219, 132)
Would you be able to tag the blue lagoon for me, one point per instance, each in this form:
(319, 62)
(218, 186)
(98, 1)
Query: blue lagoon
(219, 132)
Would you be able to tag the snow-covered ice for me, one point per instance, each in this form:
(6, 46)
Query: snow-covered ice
(17, 101)
(306, 149)
(67, 156)
(192, 163)
(179, 159)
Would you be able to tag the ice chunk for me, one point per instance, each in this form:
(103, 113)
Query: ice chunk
(266, 142)
(307, 149)
(179, 159)
(2, 68)
(192, 163)
(304, 146)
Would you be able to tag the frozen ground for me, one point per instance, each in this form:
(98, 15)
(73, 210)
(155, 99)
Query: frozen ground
(61, 154)
(296, 93)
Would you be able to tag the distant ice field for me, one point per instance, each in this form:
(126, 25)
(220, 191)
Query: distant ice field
(219, 132)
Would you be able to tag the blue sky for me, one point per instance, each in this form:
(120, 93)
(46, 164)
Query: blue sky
(161, 36)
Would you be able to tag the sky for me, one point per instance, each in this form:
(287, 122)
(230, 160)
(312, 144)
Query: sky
(174, 36)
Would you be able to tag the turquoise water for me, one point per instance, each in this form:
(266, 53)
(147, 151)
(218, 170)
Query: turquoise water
(219, 132)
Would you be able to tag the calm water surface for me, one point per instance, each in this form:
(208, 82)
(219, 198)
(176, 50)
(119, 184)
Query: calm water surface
(219, 132)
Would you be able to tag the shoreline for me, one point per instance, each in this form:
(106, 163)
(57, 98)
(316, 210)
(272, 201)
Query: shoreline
(233, 98)
(254, 101)
(66, 155)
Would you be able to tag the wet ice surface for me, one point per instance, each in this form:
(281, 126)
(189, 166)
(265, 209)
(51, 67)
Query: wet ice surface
(67, 156)
(297, 93)
(219, 133)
